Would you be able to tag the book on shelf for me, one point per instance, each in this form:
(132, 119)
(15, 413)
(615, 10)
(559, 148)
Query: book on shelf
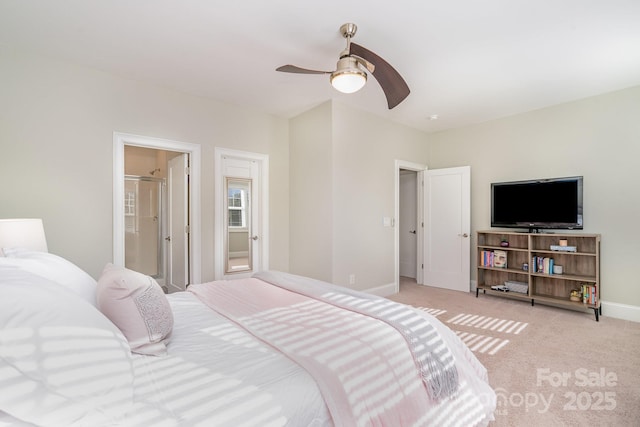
(589, 294)
(495, 258)
(486, 258)
(542, 265)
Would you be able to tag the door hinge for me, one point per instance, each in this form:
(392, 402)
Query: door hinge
(422, 266)
(187, 170)
(187, 229)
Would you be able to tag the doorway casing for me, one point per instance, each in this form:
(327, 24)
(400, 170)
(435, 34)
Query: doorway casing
(262, 210)
(120, 140)
(453, 195)
(419, 168)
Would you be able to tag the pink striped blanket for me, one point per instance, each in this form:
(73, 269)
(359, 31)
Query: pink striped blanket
(365, 355)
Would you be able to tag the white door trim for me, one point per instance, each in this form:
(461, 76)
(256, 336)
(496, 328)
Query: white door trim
(263, 160)
(402, 164)
(194, 151)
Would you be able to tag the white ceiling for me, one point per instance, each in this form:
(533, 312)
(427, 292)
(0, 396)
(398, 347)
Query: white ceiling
(466, 61)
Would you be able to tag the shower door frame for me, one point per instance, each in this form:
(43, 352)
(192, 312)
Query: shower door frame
(162, 224)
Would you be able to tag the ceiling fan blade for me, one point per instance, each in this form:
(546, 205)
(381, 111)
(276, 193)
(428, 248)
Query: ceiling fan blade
(392, 83)
(294, 69)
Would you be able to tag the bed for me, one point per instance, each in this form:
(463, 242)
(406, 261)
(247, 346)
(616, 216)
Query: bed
(273, 350)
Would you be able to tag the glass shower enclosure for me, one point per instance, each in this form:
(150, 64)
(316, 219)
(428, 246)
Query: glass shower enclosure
(144, 224)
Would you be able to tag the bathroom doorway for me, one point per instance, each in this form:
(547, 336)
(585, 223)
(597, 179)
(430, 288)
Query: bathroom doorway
(156, 215)
(157, 209)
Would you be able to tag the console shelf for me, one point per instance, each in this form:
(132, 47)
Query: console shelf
(580, 268)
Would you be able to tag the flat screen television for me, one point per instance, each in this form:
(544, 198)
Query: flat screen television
(554, 203)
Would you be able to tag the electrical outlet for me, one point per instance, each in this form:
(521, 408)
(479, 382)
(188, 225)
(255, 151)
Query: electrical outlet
(352, 279)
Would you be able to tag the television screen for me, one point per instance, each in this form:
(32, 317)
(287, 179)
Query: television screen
(533, 204)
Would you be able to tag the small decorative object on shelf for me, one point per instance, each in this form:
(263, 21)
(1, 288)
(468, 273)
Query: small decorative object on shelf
(562, 242)
(563, 248)
(504, 243)
(575, 295)
(500, 259)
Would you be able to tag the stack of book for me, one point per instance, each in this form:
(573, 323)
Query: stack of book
(589, 294)
(542, 265)
(493, 259)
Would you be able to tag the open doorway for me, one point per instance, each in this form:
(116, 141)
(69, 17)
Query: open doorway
(409, 232)
(408, 224)
(157, 215)
(443, 225)
(156, 209)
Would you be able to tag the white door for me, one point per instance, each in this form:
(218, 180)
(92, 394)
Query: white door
(447, 228)
(408, 223)
(177, 238)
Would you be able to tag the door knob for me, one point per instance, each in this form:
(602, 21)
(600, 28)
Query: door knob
(412, 231)
(254, 238)
(465, 235)
(168, 238)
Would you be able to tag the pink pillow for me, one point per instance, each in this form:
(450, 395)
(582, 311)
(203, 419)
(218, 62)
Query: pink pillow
(136, 304)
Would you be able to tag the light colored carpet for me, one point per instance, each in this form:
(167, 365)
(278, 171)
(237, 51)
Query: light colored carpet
(549, 366)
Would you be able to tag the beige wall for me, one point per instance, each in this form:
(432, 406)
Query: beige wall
(239, 242)
(311, 194)
(56, 143)
(342, 185)
(598, 138)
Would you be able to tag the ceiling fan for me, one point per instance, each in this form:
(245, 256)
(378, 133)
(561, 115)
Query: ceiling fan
(351, 70)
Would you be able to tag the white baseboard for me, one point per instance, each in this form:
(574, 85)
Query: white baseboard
(621, 311)
(384, 290)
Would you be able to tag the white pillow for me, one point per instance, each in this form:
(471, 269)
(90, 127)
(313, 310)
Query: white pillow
(61, 360)
(136, 304)
(54, 268)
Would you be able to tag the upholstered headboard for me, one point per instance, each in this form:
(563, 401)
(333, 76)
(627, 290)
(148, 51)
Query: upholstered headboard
(23, 232)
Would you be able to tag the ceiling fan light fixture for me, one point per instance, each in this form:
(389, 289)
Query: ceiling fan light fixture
(348, 78)
(348, 81)
(350, 74)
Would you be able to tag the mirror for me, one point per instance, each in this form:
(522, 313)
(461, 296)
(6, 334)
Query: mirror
(238, 225)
